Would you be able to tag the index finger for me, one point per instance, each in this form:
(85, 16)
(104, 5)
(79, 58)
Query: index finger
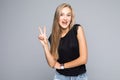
(40, 30)
(44, 30)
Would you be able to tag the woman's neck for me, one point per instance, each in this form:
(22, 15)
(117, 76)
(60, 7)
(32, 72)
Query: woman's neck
(64, 32)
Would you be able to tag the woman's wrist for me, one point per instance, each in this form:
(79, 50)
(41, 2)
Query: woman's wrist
(62, 66)
(58, 66)
(46, 45)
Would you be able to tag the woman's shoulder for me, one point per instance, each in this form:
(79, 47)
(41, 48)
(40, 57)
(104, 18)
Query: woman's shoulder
(77, 28)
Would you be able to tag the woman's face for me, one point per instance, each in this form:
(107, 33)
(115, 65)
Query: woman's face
(65, 17)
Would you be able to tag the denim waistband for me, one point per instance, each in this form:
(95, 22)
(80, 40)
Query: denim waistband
(59, 76)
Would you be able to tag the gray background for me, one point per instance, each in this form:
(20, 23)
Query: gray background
(22, 56)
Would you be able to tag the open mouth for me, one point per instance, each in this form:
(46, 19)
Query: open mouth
(64, 22)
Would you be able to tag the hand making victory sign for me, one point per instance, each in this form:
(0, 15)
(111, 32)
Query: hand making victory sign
(42, 36)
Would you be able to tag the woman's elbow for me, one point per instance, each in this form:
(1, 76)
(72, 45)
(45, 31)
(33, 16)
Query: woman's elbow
(84, 60)
(51, 65)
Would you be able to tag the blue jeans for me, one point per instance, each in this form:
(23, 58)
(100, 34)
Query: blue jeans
(62, 77)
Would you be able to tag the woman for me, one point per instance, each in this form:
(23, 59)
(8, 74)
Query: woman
(68, 49)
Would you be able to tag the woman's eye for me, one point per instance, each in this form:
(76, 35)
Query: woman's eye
(61, 14)
(69, 15)
(65, 15)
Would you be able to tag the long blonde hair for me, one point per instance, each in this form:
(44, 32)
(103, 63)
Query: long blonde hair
(56, 30)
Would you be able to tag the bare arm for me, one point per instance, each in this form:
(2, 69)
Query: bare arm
(44, 41)
(82, 51)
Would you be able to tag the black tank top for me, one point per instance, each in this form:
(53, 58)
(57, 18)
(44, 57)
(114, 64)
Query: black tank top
(69, 50)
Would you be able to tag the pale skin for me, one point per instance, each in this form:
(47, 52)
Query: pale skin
(64, 21)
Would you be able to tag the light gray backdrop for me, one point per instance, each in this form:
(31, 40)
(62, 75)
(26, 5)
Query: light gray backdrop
(22, 56)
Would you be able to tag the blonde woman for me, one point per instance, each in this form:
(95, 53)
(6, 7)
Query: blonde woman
(67, 52)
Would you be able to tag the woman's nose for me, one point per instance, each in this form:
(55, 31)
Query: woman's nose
(65, 17)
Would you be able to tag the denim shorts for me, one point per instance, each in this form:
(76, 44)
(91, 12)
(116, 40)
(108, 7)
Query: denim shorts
(59, 76)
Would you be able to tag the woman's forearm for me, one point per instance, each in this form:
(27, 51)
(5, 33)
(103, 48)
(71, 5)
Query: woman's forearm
(77, 62)
(50, 59)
